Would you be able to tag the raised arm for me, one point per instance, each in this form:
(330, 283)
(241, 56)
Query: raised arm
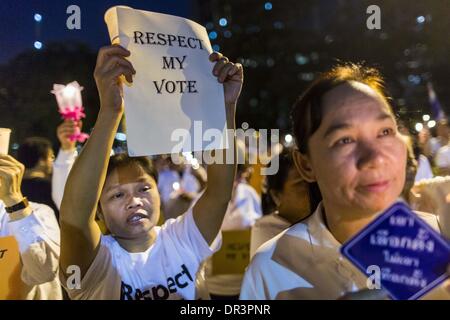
(34, 227)
(80, 235)
(211, 207)
(64, 161)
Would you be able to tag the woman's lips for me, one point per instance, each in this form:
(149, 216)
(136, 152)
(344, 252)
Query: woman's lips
(136, 218)
(379, 186)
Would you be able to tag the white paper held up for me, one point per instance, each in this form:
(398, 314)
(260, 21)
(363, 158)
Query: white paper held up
(174, 104)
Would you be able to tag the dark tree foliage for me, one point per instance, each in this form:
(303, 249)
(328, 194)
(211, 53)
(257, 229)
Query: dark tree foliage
(26, 104)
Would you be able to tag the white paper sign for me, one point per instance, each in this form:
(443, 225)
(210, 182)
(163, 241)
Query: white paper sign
(174, 103)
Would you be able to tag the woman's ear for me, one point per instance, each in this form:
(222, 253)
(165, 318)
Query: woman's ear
(100, 220)
(303, 165)
(99, 214)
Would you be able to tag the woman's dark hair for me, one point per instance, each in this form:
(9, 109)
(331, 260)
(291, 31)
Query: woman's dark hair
(411, 166)
(122, 160)
(32, 150)
(307, 111)
(276, 181)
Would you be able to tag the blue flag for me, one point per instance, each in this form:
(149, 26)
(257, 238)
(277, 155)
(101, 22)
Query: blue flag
(436, 108)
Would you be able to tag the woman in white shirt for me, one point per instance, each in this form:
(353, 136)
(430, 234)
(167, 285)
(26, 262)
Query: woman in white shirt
(139, 260)
(286, 201)
(243, 211)
(36, 231)
(348, 146)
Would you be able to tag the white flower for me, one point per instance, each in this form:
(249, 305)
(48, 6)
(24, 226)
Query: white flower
(68, 96)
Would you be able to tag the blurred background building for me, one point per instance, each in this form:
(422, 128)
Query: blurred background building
(283, 45)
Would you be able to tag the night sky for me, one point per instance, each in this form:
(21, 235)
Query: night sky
(299, 38)
(19, 30)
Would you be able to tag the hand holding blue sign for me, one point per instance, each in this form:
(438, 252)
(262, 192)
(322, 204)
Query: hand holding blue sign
(366, 294)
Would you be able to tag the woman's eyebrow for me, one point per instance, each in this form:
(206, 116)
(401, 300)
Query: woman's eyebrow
(383, 116)
(345, 125)
(336, 127)
(143, 180)
(108, 189)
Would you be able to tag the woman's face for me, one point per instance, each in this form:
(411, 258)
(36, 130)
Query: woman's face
(293, 200)
(47, 163)
(130, 202)
(357, 155)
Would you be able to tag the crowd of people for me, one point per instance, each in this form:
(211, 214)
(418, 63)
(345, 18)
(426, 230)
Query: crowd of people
(140, 228)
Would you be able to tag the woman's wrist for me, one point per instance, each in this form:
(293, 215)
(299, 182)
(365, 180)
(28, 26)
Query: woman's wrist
(230, 112)
(20, 214)
(23, 209)
(109, 114)
(13, 199)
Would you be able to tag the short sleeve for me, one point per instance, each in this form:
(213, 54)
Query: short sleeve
(252, 284)
(441, 158)
(40, 225)
(101, 281)
(39, 245)
(183, 236)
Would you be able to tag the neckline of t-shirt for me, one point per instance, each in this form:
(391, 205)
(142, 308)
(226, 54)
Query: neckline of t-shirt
(142, 253)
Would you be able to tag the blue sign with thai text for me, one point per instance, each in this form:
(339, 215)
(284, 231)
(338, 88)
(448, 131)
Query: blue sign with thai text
(411, 256)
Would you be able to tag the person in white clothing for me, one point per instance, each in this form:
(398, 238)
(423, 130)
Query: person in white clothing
(442, 136)
(442, 161)
(179, 185)
(348, 146)
(45, 177)
(138, 260)
(36, 231)
(245, 206)
(64, 160)
(430, 145)
(243, 210)
(286, 201)
(174, 177)
(424, 170)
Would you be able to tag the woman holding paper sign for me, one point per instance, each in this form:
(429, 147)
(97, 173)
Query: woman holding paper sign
(350, 150)
(138, 260)
(35, 228)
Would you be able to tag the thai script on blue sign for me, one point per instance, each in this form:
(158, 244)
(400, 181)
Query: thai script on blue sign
(412, 257)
